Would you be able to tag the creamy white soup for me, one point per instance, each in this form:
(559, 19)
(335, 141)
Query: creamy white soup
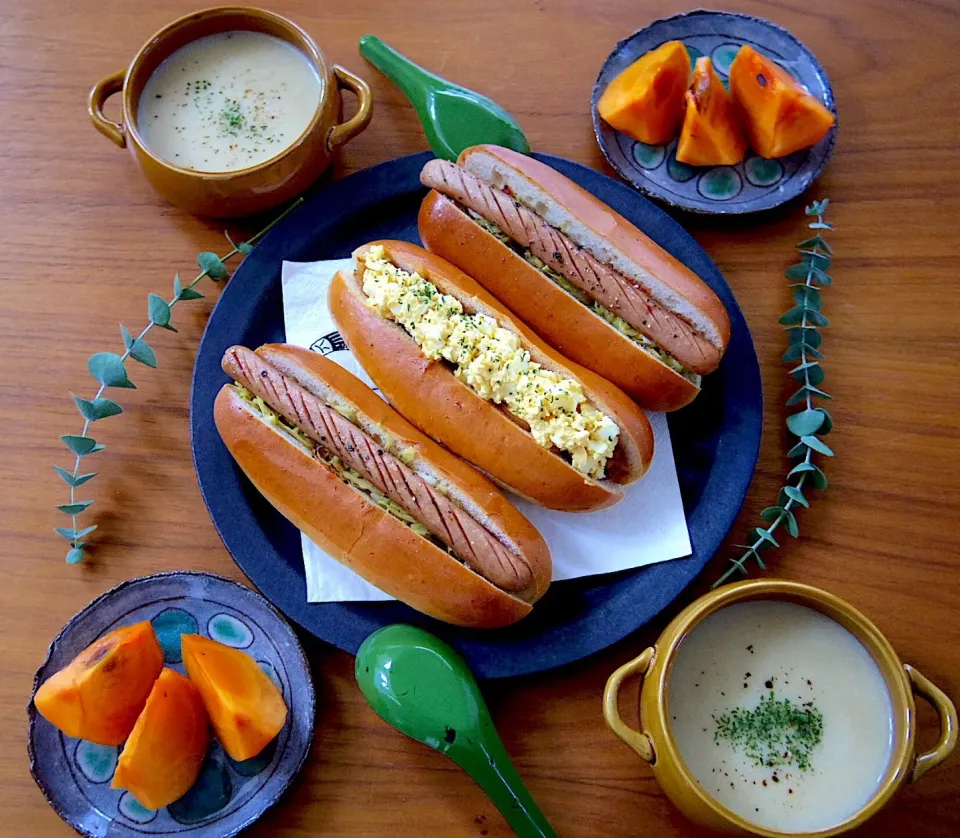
(228, 101)
(781, 714)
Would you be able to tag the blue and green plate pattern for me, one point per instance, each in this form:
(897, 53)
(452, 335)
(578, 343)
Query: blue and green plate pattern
(75, 775)
(753, 185)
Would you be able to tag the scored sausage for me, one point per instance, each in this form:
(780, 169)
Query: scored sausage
(621, 295)
(467, 538)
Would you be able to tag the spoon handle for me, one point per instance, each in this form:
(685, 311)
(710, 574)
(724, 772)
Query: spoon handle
(411, 78)
(492, 770)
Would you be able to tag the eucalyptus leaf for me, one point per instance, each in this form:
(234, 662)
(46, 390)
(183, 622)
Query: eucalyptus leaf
(177, 287)
(80, 445)
(771, 513)
(817, 445)
(798, 271)
(108, 369)
(790, 522)
(212, 265)
(793, 353)
(816, 391)
(70, 480)
(190, 294)
(822, 276)
(801, 372)
(816, 242)
(97, 447)
(86, 531)
(815, 374)
(805, 334)
(159, 310)
(817, 318)
(793, 317)
(800, 351)
(127, 337)
(68, 533)
(817, 207)
(805, 422)
(244, 247)
(143, 352)
(800, 468)
(827, 421)
(820, 225)
(766, 536)
(799, 396)
(818, 479)
(816, 259)
(796, 495)
(99, 408)
(808, 297)
(75, 555)
(74, 508)
(798, 450)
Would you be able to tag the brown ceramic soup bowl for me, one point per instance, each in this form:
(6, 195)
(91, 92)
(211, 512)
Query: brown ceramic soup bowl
(656, 744)
(241, 191)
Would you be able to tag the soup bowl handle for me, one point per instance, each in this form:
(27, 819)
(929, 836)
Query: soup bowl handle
(346, 131)
(636, 739)
(948, 723)
(101, 91)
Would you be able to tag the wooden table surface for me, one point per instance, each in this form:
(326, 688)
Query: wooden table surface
(85, 239)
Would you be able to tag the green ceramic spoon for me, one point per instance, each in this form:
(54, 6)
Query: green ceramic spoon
(453, 117)
(422, 687)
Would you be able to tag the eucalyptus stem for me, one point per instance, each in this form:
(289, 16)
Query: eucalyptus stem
(802, 322)
(110, 370)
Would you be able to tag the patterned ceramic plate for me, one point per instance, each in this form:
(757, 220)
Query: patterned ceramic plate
(757, 183)
(75, 775)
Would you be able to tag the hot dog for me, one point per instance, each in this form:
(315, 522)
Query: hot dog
(455, 363)
(583, 277)
(374, 492)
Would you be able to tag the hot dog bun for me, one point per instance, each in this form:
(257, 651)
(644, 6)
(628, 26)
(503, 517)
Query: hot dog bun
(341, 518)
(558, 317)
(605, 261)
(430, 396)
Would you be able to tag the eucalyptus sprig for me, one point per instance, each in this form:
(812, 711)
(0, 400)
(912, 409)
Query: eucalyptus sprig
(110, 370)
(808, 424)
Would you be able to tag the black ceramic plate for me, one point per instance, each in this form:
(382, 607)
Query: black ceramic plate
(715, 440)
(228, 796)
(753, 185)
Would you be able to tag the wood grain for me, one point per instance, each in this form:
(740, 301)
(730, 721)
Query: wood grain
(85, 239)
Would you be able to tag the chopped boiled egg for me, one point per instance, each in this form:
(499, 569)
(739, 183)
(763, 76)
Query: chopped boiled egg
(490, 360)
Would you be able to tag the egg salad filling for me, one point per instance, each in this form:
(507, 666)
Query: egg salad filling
(615, 320)
(344, 472)
(490, 360)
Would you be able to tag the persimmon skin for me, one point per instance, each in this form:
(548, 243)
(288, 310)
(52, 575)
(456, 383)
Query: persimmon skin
(163, 756)
(711, 133)
(778, 113)
(645, 101)
(245, 707)
(100, 693)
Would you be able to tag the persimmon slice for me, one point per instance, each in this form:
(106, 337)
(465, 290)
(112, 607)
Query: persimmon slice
(165, 751)
(711, 133)
(645, 101)
(245, 706)
(779, 114)
(100, 693)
